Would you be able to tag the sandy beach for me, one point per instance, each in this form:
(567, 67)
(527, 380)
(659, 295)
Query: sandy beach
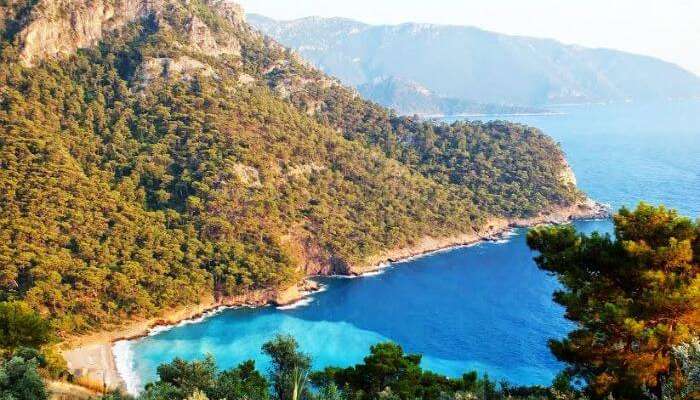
(92, 355)
(96, 362)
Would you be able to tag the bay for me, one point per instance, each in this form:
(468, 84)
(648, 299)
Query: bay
(486, 307)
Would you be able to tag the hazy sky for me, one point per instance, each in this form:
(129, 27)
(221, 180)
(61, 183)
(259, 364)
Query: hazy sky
(668, 29)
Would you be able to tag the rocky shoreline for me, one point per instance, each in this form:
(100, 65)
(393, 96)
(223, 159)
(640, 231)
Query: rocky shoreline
(92, 355)
(494, 229)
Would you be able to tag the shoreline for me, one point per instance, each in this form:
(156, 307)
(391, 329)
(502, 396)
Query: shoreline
(478, 115)
(93, 355)
(492, 230)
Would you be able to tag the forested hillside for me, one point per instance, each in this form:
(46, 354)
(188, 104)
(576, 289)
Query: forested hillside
(154, 152)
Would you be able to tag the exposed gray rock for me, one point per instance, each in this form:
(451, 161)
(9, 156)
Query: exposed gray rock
(182, 68)
(203, 40)
(60, 27)
(56, 28)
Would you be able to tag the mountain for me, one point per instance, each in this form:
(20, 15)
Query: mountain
(155, 153)
(469, 63)
(409, 98)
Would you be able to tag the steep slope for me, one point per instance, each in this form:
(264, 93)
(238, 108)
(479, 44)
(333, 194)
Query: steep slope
(169, 152)
(469, 63)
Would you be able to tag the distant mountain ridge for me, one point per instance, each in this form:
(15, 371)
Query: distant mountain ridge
(408, 97)
(469, 63)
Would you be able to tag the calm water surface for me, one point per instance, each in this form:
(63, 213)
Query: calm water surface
(486, 307)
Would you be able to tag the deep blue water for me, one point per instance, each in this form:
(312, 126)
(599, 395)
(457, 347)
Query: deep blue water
(485, 308)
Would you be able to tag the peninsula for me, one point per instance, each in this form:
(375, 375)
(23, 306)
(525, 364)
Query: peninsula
(161, 159)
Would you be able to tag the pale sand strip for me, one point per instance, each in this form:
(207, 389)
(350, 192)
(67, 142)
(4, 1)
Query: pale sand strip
(96, 362)
(91, 355)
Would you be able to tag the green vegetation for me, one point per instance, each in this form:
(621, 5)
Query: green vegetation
(126, 192)
(290, 368)
(387, 373)
(21, 326)
(634, 298)
(180, 380)
(27, 356)
(19, 377)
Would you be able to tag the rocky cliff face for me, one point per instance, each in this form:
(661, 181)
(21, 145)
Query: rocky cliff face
(183, 68)
(60, 27)
(56, 28)
(232, 12)
(203, 40)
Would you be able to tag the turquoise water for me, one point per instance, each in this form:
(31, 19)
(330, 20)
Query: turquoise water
(485, 307)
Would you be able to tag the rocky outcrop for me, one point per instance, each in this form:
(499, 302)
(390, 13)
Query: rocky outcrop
(230, 11)
(295, 293)
(168, 68)
(245, 79)
(247, 175)
(56, 28)
(567, 173)
(203, 40)
(60, 27)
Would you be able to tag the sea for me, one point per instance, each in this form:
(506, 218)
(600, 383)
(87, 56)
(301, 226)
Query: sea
(484, 308)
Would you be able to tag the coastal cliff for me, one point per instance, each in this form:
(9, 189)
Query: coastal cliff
(58, 28)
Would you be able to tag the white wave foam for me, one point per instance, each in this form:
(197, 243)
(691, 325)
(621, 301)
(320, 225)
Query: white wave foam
(434, 252)
(344, 276)
(372, 273)
(164, 328)
(321, 289)
(124, 361)
(381, 268)
(297, 304)
(509, 233)
(307, 298)
(504, 237)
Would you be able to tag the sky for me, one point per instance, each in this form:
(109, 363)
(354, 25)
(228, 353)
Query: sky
(667, 29)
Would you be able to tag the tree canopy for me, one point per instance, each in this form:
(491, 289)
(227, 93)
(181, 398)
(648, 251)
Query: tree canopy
(386, 373)
(22, 326)
(19, 376)
(633, 297)
(127, 191)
